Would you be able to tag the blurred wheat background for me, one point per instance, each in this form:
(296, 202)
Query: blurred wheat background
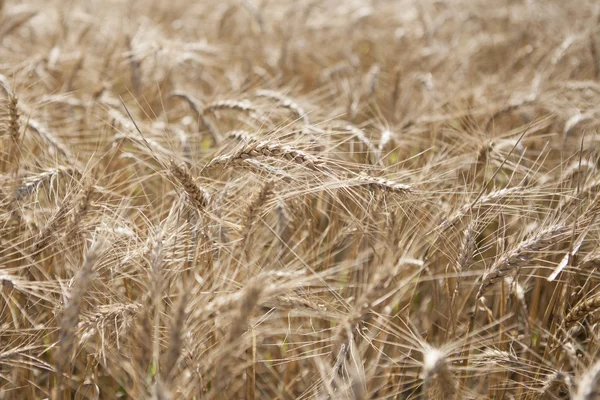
(269, 199)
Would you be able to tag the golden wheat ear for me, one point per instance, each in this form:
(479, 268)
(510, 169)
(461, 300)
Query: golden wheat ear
(71, 311)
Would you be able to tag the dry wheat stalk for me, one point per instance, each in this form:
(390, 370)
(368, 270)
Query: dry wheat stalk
(309, 302)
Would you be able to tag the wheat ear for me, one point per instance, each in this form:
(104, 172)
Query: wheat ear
(521, 254)
(269, 149)
(199, 197)
(284, 102)
(70, 315)
(583, 309)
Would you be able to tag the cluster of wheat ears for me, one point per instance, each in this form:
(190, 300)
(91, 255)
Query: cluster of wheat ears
(285, 199)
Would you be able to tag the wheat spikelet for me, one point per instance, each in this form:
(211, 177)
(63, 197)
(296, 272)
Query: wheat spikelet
(47, 137)
(269, 149)
(359, 134)
(521, 254)
(82, 207)
(383, 184)
(371, 80)
(250, 298)
(168, 367)
(108, 313)
(495, 356)
(13, 130)
(235, 105)
(465, 254)
(241, 135)
(492, 198)
(33, 182)
(285, 102)
(582, 309)
(199, 197)
(70, 314)
(14, 126)
(53, 225)
(250, 213)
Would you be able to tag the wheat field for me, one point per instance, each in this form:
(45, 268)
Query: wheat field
(312, 199)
